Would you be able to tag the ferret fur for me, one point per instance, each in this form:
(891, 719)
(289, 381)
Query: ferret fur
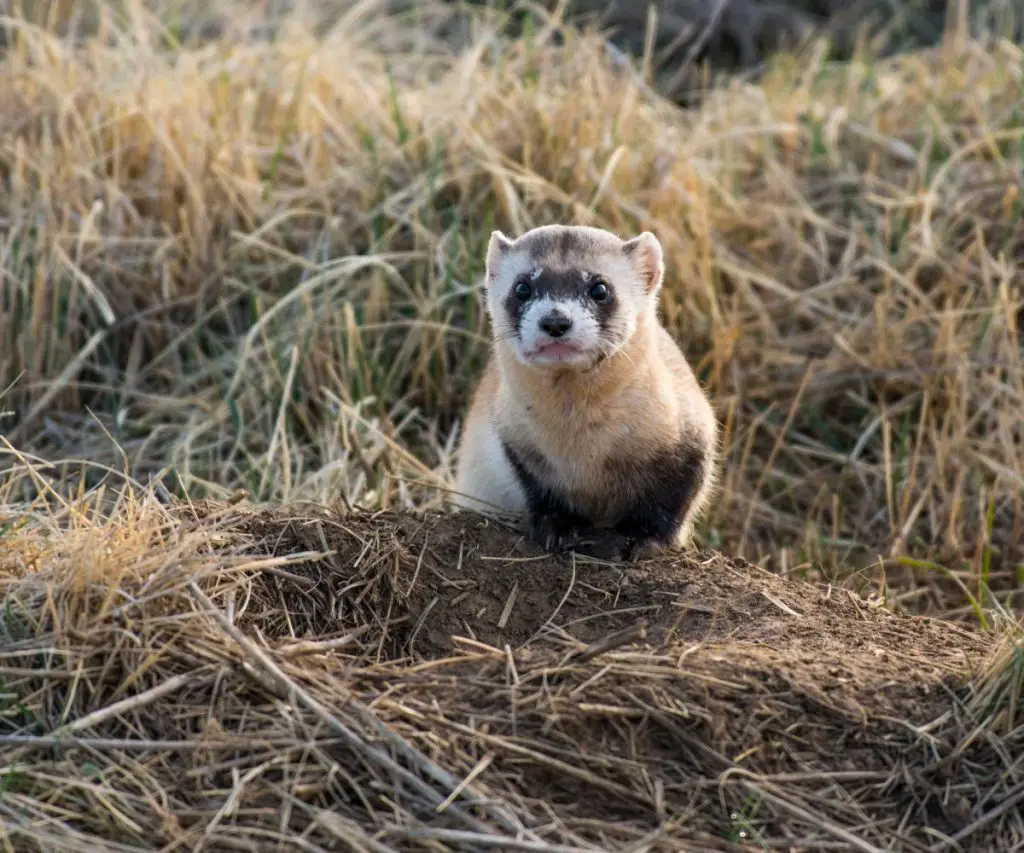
(606, 443)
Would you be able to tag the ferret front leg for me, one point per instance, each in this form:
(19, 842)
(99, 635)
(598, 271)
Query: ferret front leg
(653, 522)
(553, 524)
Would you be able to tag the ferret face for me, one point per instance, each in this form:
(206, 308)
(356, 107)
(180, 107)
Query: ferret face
(566, 296)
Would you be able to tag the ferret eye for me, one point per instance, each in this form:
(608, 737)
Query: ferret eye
(523, 290)
(599, 291)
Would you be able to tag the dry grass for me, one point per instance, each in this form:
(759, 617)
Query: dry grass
(250, 263)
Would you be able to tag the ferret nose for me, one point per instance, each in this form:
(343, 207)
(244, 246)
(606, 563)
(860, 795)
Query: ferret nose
(555, 324)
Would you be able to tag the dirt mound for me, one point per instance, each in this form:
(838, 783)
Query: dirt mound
(440, 579)
(240, 679)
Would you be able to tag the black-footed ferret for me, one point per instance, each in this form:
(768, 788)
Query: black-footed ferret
(588, 423)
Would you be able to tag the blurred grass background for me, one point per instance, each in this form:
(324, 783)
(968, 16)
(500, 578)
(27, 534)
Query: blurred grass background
(239, 247)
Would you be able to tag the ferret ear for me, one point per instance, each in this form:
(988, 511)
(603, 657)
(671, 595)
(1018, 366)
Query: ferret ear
(645, 253)
(497, 248)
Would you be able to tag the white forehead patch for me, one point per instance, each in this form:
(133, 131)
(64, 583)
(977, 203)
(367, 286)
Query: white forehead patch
(535, 273)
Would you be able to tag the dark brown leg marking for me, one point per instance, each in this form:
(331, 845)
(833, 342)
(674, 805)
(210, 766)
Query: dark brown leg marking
(667, 486)
(554, 525)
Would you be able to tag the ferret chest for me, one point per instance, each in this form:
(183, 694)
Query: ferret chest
(584, 451)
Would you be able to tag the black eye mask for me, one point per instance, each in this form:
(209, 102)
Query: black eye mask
(594, 292)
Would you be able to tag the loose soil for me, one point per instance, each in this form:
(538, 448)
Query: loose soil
(449, 577)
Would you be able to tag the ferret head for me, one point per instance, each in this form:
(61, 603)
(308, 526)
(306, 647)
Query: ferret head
(568, 296)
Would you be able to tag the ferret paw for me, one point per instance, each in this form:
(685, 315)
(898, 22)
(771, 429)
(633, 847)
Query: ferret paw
(637, 550)
(558, 535)
(554, 534)
(604, 545)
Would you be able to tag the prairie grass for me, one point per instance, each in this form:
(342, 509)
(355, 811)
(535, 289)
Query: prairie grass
(250, 262)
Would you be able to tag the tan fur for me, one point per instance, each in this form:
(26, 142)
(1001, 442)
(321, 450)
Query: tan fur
(591, 423)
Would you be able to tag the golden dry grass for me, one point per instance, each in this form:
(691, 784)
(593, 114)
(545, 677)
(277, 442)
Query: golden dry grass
(250, 263)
